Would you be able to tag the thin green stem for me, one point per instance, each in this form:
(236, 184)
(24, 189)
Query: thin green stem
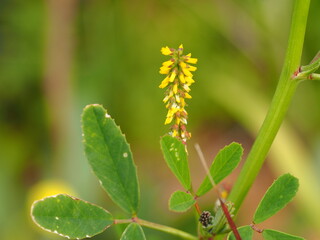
(170, 230)
(279, 105)
(159, 227)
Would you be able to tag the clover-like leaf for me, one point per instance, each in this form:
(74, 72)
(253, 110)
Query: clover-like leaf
(70, 217)
(181, 201)
(133, 232)
(224, 163)
(175, 154)
(276, 235)
(277, 197)
(245, 232)
(110, 157)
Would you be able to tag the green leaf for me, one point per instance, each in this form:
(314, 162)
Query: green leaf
(70, 217)
(133, 232)
(275, 235)
(181, 201)
(277, 197)
(175, 154)
(110, 157)
(245, 232)
(224, 163)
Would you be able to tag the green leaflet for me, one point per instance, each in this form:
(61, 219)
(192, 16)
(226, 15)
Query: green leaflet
(133, 232)
(175, 154)
(110, 157)
(224, 163)
(181, 201)
(277, 197)
(70, 217)
(245, 232)
(275, 235)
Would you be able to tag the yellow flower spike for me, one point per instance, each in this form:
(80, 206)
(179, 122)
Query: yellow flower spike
(181, 77)
(175, 88)
(173, 76)
(164, 83)
(166, 51)
(177, 83)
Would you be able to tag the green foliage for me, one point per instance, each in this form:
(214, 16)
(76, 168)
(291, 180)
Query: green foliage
(110, 157)
(133, 232)
(277, 197)
(245, 232)
(181, 201)
(70, 217)
(275, 235)
(219, 221)
(224, 163)
(174, 152)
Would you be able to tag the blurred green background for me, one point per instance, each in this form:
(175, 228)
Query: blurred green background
(56, 56)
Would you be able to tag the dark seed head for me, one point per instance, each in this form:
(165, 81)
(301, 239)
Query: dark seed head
(205, 218)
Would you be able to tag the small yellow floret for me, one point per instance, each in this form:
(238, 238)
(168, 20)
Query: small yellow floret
(189, 59)
(168, 120)
(181, 77)
(166, 51)
(189, 80)
(167, 63)
(164, 70)
(164, 83)
(186, 87)
(187, 95)
(192, 68)
(175, 88)
(173, 76)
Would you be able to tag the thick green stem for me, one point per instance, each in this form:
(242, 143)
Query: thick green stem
(159, 227)
(279, 105)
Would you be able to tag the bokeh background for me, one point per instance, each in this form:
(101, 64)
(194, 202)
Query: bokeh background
(56, 56)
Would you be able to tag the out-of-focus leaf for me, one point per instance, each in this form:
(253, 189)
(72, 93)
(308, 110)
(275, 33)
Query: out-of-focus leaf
(276, 235)
(70, 217)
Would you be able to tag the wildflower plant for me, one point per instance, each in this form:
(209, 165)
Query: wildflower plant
(111, 160)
